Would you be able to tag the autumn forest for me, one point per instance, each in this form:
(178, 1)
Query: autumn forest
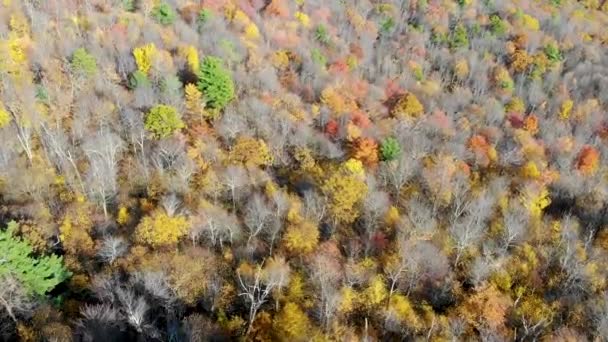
(303, 170)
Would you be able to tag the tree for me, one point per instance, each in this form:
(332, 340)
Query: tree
(345, 189)
(390, 149)
(408, 106)
(144, 57)
(161, 229)
(163, 13)
(215, 83)
(84, 63)
(259, 281)
(162, 121)
(37, 275)
(291, 324)
(112, 248)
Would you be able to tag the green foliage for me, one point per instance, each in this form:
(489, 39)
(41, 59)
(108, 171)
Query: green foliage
(204, 16)
(128, 5)
(162, 121)
(460, 38)
(38, 275)
(138, 79)
(41, 93)
(387, 25)
(84, 63)
(163, 13)
(552, 52)
(321, 34)
(497, 25)
(390, 149)
(215, 82)
(318, 57)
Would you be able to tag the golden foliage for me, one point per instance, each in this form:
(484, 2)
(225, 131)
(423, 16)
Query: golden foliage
(375, 293)
(301, 238)
(408, 106)
(144, 57)
(338, 101)
(250, 151)
(190, 53)
(291, 323)
(487, 307)
(75, 230)
(345, 189)
(401, 308)
(161, 230)
(5, 117)
(520, 60)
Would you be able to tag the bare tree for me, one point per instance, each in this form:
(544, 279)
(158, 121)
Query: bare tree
(257, 288)
(103, 152)
(112, 248)
(216, 225)
(257, 215)
(13, 297)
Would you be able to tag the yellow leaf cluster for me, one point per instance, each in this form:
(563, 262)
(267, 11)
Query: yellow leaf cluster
(349, 300)
(345, 189)
(280, 59)
(190, 53)
(376, 293)
(402, 309)
(301, 238)
(144, 57)
(161, 230)
(337, 101)
(251, 151)
(408, 106)
(123, 216)
(74, 233)
(252, 32)
(566, 110)
(303, 18)
(291, 323)
(5, 117)
(530, 170)
(535, 200)
(530, 23)
(193, 97)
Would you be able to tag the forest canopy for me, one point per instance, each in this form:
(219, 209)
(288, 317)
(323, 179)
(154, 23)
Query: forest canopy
(303, 170)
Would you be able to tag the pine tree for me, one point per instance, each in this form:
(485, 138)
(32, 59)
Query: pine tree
(38, 275)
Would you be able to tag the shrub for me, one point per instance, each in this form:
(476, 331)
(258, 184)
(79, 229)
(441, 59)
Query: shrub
(162, 121)
(215, 83)
(163, 13)
(84, 63)
(390, 149)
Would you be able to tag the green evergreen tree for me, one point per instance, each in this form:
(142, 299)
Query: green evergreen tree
(215, 82)
(390, 149)
(38, 275)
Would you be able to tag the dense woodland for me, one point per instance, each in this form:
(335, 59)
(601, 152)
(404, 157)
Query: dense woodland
(303, 170)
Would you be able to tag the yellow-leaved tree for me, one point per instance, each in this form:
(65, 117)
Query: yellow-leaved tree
(345, 189)
(291, 324)
(161, 229)
(144, 57)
